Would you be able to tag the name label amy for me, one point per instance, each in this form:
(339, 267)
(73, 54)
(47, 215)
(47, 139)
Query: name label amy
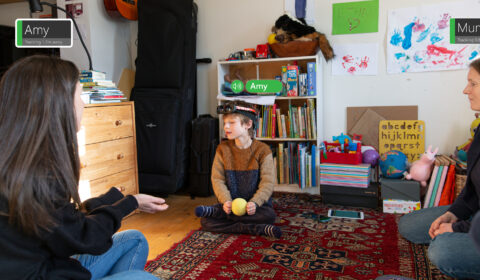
(43, 33)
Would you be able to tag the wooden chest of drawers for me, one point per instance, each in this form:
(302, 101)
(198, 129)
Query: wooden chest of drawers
(107, 147)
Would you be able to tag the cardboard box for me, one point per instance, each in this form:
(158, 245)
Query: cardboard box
(400, 189)
(350, 196)
(365, 120)
(397, 206)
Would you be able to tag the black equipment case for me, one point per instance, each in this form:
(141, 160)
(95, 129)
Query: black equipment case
(203, 146)
(164, 92)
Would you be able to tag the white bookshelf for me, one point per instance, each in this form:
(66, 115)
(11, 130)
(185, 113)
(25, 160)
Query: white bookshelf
(264, 69)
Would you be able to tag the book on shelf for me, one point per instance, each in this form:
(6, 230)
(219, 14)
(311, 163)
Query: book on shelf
(93, 74)
(292, 80)
(296, 163)
(439, 189)
(279, 122)
(435, 185)
(426, 201)
(311, 78)
(298, 122)
(97, 101)
(274, 120)
(280, 163)
(448, 192)
(441, 185)
(284, 126)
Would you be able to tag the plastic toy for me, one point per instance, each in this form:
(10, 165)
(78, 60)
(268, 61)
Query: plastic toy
(263, 51)
(422, 168)
(461, 150)
(239, 206)
(271, 38)
(393, 164)
(357, 138)
(341, 139)
(371, 157)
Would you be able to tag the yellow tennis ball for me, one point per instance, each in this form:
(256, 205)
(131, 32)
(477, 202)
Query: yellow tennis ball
(239, 206)
(271, 39)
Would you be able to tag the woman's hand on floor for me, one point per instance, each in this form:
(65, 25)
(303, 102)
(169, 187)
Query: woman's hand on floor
(150, 204)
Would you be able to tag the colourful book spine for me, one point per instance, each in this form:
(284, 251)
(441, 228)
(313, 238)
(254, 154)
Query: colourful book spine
(311, 78)
(314, 179)
(292, 80)
(430, 187)
(286, 165)
(284, 126)
(435, 187)
(441, 185)
(280, 163)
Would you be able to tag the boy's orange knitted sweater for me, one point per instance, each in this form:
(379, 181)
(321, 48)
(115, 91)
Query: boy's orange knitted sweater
(246, 173)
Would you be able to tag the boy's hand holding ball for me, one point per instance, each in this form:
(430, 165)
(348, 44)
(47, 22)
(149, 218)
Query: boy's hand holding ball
(251, 208)
(227, 207)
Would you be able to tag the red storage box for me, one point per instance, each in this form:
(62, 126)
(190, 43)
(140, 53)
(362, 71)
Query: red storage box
(344, 158)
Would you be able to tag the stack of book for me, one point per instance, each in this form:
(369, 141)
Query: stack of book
(97, 89)
(347, 175)
(298, 122)
(296, 163)
(442, 182)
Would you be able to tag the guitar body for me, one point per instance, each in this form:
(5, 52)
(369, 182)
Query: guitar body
(122, 8)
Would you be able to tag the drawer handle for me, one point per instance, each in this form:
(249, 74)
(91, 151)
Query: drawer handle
(120, 156)
(118, 123)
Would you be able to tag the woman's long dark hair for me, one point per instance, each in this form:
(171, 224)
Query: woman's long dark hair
(39, 163)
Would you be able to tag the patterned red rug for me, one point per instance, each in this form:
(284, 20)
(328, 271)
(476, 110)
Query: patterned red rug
(309, 249)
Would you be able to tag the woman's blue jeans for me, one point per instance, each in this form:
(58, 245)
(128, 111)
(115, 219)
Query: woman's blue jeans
(454, 253)
(124, 260)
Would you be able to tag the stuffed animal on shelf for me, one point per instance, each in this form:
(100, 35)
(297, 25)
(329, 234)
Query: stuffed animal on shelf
(288, 28)
(421, 169)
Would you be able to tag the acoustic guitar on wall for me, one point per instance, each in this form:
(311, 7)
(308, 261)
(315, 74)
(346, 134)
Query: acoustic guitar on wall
(122, 8)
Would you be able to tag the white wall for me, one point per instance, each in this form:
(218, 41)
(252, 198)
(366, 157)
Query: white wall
(230, 25)
(10, 12)
(107, 39)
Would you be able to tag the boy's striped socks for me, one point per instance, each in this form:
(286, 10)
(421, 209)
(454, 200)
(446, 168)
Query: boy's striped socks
(205, 211)
(272, 231)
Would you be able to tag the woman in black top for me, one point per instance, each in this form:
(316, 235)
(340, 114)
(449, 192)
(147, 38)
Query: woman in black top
(446, 228)
(45, 232)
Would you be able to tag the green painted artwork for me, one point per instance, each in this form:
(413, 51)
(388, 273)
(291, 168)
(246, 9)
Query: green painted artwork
(355, 17)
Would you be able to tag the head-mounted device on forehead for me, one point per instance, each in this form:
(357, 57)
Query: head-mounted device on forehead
(238, 108)
(232, 107)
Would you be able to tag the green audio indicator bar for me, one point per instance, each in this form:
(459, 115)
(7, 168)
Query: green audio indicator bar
(257, 86)
(43, 33)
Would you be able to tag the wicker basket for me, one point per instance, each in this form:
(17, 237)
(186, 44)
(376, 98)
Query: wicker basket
(295, 48)
(460, 181)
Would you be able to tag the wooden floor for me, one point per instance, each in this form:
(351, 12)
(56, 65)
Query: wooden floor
(166, 228)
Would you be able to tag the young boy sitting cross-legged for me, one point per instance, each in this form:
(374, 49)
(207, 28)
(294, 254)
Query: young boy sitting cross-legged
(242, 168)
